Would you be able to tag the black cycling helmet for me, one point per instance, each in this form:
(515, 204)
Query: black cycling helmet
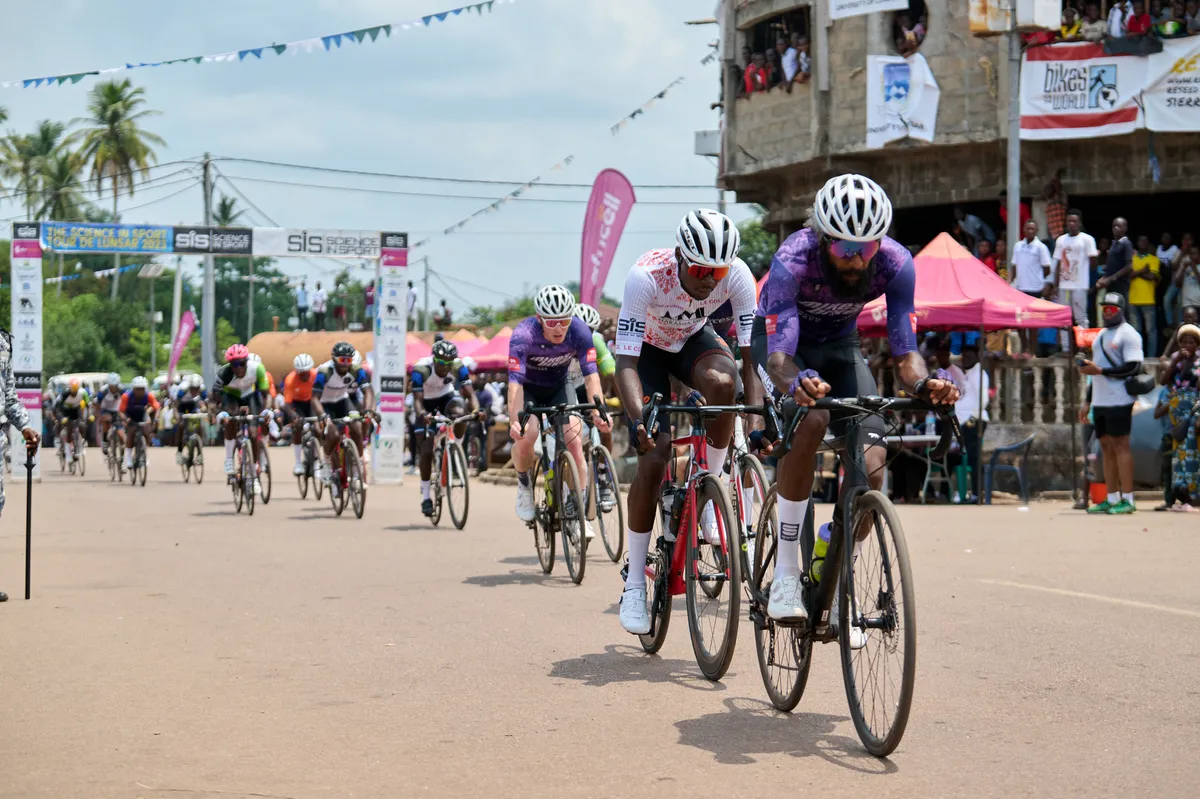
(343, 349)
(445, 350)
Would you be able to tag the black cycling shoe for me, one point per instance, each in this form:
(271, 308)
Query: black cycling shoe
(3, 597)
(427, 507)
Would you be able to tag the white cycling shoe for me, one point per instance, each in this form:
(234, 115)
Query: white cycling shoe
(178, 458)
(525, 509)
(635, 615)
(787, 600)
(298, 469)
(708, 526)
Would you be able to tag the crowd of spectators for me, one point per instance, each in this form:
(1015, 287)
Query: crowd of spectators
(783, 67)
(1126, 19)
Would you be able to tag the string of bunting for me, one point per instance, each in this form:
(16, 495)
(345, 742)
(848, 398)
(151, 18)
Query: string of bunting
(316, 44)
(564, 163)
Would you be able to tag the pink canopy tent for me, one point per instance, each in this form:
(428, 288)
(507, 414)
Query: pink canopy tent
(957, 291)
(415, 350)
(466, 348)
(494, 354)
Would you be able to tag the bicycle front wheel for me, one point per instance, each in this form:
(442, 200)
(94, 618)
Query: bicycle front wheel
(878, 625)
(355, 486)
(458, 488)
(572, 515)
(196, 458)
(265, 473)
(81, 453)
(658, 585)
(435, 489)
(609, 513)
(784, 652)
(713, 578)
(543, 534)
(247, 476)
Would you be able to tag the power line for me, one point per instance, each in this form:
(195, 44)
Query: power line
(335, 170)
(92, 181)
(190, 180)
(365, 190)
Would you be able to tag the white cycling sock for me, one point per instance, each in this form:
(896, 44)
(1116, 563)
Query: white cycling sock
(298, 452)
(716, 460)
(639, 548)
(787, 550)
(425, 489)
(229, 450)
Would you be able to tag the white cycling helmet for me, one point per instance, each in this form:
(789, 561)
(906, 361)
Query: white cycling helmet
(195, 381)
(114, 379)
(554, 302)
(139, 382)
(708, 238)
(303, 362)
(588, 314)
(852, 208)
(357, 362)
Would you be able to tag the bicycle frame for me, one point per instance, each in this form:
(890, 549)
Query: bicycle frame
(442, 438)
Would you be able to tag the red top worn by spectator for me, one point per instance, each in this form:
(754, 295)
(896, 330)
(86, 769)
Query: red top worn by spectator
(1138, 24)
(755, 79)
(1026, 213)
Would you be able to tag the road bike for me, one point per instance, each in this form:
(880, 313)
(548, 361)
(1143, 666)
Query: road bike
(558, 490)
(450, 478)
(311, 454)
(867, 586)
(137, 471)
(748, 486)
(604, 494)
(78, 459)
(192, 464)
(241, 482)
(706, 573)
(116, 451)
(345, 469)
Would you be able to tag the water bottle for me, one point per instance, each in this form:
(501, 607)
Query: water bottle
(820, 548)
(930, 424)
(668, 508)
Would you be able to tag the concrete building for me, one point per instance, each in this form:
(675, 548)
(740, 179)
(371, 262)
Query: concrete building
(779, 147)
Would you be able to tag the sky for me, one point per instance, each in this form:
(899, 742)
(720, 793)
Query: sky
(504, 97)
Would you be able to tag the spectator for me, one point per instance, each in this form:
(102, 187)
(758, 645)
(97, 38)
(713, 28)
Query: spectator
(1002, 258)
(1187, 277)
(1118, 18)
(443, 317)
(1075, 254)
(15, 414)
(339, 307)
(1139, 22)
(302, 306)
(1168, 25)
(1158, 10)
(1166, 252)
(974, 228)
(1190, 316)
(318, 301)
(738, 71)
(1026, 210)
(774, 69)
(986, 256)
(803, 65)
(789, 59)
(908, 36)
(1119, 265)
(1071, 29)
(756, 78)
(369, 300)
(1118, 355)
(1182, 397)
(1031, 271)
(1056, 207)
(412, 306)
(967, 407)
(1142, 288)
(1094, 28)
(1170, 269)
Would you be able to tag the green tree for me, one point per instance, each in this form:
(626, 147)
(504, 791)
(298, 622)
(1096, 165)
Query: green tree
(758, 246)
(114, 143)
(18, 165)
(61, 192)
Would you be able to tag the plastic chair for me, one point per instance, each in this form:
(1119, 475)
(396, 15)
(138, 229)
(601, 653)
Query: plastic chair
(1019, 451)
(936, 480)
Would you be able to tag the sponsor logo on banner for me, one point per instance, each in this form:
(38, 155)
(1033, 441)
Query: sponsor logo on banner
(1172, 94)
(68, 237)
(24, 248)
(27, 380)
(1073, 91)
(398, 241)
(225, 241)
(393, 258)
(514, 364)
(608, 209)
(30, 400)
(391, 403)
(902, 99)
(282, 242)
(27, 230)
(393, 384)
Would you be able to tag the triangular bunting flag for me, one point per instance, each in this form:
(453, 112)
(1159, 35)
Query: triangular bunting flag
(442, 16)
(279, 49)
(426, 20)
(78, 76)
(387, 29)
(373, 32)
(489, 4)
(456, 11)
(254, 51)
(359, 35)
(335, 39)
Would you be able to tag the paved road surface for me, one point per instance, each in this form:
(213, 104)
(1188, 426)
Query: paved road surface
(174, 649)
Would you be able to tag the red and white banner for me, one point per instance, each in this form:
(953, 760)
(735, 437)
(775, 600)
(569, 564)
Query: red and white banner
(1075, 91)
(187, 326)
(607, 211)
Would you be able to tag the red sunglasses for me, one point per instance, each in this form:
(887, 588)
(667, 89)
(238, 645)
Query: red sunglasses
(556, 323)
(345, 360)
(699, 271)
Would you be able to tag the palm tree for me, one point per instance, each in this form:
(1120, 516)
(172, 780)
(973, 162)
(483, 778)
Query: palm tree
(22, 157)
(115, 144)
(61, 189)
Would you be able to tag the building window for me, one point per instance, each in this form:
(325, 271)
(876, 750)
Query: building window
(909, 27)
(776, 54)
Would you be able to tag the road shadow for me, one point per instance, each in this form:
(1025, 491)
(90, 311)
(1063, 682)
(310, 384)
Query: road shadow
(313, 517)
(229, 511)
(412, 528)
(624, 663)
(521, 577)
(521, 560)
(752, 727)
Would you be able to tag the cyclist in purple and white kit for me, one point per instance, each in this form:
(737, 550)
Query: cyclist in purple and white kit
(805, 342)
(540, 354)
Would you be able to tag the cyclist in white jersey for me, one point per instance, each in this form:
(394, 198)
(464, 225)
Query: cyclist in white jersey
(109, 402)
(663, 332)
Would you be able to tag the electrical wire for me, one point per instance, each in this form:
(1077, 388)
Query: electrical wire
(190, 180)
(92, 181)
(338, 171)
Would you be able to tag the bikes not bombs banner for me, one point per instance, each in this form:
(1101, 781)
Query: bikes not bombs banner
(26, 331)
(1075, 91)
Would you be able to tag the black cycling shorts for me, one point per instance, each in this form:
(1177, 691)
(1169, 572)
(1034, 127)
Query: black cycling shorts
(656, 367)
(1112, 421)
(838, 362)
(71, 414)
(233, 405)
(543, 396)
(338, 409)
(303, 408)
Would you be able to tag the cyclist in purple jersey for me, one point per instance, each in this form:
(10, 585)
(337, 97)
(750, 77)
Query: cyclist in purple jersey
(805, 344)
(540, 353)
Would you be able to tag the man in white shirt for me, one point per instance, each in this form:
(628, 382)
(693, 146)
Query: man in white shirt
(1030, 271)
(302, 306)
(1166, 251)
(318, 300)
(967, 407)
(412, 306)
(1075, 254)
(1118, 18)
(791, 59)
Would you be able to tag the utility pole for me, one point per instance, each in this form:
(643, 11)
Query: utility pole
(250, 313)
(208, 303)
(177, 298)
(1014, 137)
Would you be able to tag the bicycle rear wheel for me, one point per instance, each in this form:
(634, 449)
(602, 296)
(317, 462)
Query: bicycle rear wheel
(571, 515)
(611, 521)
(435, 474)
(142, 460)
(264, 478)
(337, 470)
(877, 597)
(247, 476)
(458, 487)
(196, 458)
(235, 482)
(658, 588)
(713, 579)
(784, 652)
(355, 486)
(81, 452)
(543, 534)
(318, 484)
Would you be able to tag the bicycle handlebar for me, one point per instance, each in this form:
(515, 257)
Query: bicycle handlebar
(870, 403)
(597, 404)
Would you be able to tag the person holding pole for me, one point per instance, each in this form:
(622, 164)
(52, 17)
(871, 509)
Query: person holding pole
(15, 411)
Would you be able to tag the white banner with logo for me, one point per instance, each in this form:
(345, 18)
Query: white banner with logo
(281, 242)
(26, 332)
(1075, 91)
(902, 99)
(1172, 95)
(391, 336)
(840, 9)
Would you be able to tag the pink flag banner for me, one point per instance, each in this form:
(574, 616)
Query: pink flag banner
(607, 211)
(187, 325)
